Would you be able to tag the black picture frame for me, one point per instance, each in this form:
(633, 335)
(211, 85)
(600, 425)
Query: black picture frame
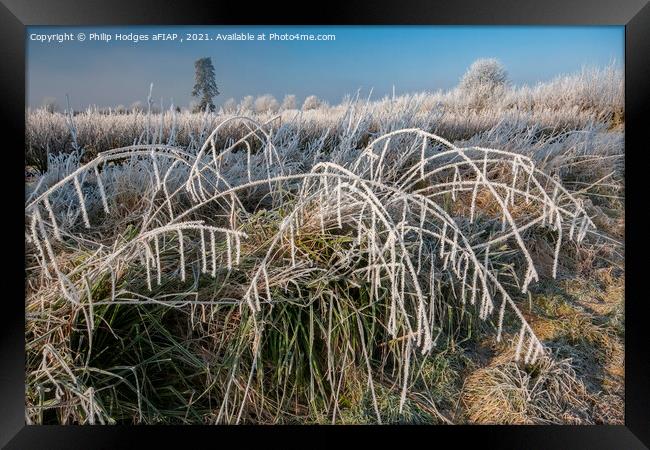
(15, 15)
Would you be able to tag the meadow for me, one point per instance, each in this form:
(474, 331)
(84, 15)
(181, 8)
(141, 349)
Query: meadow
(442, 257)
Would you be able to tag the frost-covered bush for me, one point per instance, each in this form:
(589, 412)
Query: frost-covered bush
(229, 106)
(246, 104)
(485, 82)
(289, 102)
(136, 107)
(311, 102)
(266, 103)
(484, 74)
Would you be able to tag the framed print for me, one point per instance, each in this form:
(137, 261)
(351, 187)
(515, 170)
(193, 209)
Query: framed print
(351, 223)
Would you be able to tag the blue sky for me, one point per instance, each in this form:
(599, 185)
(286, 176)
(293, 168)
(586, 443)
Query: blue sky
(412, 58)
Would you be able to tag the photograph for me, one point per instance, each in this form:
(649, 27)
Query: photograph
(324, 224)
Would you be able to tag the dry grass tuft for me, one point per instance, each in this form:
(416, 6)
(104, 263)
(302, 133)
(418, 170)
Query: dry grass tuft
(507, 392)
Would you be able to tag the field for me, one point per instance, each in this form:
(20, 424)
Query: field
(441, 257)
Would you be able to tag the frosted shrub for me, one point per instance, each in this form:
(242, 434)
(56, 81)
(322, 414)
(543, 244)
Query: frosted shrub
(484, 82)
(311, 102)
(136, 107)
(246, 105)
(488, 74)
(266, 104)
(289, 102)
(230, 106)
